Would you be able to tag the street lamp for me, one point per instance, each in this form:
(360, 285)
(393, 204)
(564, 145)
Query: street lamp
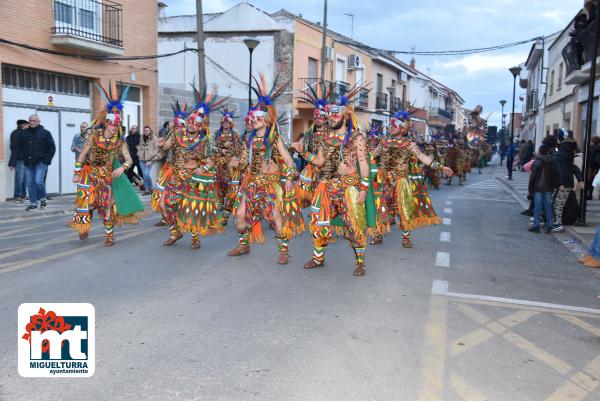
(251, 44)
(502, 103)
(515, 71)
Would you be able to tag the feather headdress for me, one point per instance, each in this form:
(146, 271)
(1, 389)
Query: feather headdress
(317, 95)
(113, 99)
(266, 98)
(180, 113)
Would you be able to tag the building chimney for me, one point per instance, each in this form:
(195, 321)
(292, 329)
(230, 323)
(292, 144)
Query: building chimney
(413, 62)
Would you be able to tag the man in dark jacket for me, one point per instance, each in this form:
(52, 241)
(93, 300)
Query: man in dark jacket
(566, 170)
(133, 140)
(542, 182)
(16, 163)
(36, 149)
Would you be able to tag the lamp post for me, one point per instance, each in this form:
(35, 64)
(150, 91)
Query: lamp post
(502, 103)
(251, 44)
(515, 71)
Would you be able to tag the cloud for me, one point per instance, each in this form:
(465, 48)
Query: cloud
(478, 62)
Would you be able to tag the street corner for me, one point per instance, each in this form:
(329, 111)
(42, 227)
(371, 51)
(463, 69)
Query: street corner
(477, 349)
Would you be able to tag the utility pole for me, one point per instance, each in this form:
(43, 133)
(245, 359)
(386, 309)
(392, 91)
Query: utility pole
(200, 39)
(324, 44)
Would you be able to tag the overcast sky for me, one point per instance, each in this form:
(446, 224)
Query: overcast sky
(436, 25)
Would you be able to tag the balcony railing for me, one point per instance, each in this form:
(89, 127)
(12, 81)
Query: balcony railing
(340, 88)
(362, 99)
(579, 50)
(381, 101)
(397, 104)
(532, 102)
(436, 111)
(98, 21)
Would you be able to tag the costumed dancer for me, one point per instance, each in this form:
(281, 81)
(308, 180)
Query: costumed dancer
(311, 140)
(342, 182)
(430, 149)
(227, 144)
(261, 194)
(101, 185)
(405, 193)
(188, 199)
(476, 137)
(456, 158)
(180, 114)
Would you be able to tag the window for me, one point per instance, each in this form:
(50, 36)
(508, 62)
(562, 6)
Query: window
(63, 12)
(552, 82)
(86, 19)
(379, 83)
(44, 81)
(560, 76)
(312, 68)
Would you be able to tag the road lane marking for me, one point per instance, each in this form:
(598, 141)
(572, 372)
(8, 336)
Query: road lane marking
(582, 324)
(25, 264)
(484, 199)
(435, 290)
(464, 390)
(442, 259)
(544, 356)
(445, 236)
(446, 221)
(470, 340)
(448, 210)
(449, 203)
(434, 348)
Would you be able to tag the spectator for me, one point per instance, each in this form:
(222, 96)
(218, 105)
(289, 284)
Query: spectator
(133, 140)
(16, 163)
(593, 163)
(36, 149)
(592, 259)
(522, 154)
(564, 159)
(79, 140)
(530, 152)
(542, 182)
(510, 159)
(165, 129)
(147, 152)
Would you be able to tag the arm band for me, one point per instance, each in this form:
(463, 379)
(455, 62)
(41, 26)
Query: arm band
(309, 157)
(78, 166)
(287, 172)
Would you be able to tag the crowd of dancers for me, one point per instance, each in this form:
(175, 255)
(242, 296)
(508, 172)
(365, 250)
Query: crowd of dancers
(356, 183)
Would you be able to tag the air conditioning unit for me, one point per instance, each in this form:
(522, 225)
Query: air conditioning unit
(329, 53)
(354, 62)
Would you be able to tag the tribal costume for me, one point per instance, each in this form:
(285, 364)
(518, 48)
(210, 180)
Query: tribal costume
(189, 196)
(101, 184)
(433, 175)
(342, 187)
(405, 193)
(312, 139)
(227, 144)
(456, 158)
(261, 194)
(476, 138)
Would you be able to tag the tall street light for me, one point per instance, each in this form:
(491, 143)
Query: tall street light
(515, 71)
(251, 44)
(502, 103)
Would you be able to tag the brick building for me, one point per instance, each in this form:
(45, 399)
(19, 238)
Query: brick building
(61, 89)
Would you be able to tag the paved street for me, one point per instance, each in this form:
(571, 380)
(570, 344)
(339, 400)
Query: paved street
(479, 309)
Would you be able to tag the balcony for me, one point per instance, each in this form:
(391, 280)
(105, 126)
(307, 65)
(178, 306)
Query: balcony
(381, 101)
(91, 25)
(578, 54)
(397, 104)
(531, 105)
(340, 88)
(439, 117)
(362, 99)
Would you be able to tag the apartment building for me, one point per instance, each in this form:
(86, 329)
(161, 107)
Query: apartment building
(61, 89)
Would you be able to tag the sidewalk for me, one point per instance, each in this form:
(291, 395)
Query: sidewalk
(11, 211)
(518, 186)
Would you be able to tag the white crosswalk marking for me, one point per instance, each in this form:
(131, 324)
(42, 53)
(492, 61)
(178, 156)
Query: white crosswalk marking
(445, 236)
(449, 203)
(442, 259)
(447, 221)
(448, 210)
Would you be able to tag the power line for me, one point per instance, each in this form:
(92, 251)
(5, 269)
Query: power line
(91, 57)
